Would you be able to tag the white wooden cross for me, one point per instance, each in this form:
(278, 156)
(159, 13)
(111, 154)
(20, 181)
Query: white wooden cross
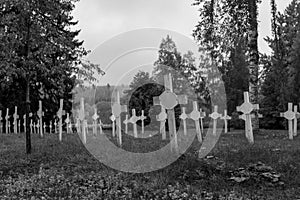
(55, 126)
(202, 116)
(40, 114)
(133, 120)
(100, 127)
(60, 113)
(31, 126)
(6, 121)
(82, 118)
(50, 127)
(67, 121)
(215, 116)
(226, 117)
(183, 117)
(19, 126)
(24, 122)
(1, 125)
(297, 115)
(44, 127)
(9, 127)
(142, 118)
(16, 117)
(246, 108)
(37, 126)
(290, 116)
(162, 117)
(195, 116)
(169, 100)
(126, 121)
(95, 119)
(117, 109)
(113, 119)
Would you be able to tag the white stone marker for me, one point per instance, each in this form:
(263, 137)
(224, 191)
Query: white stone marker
(297, 115)
(290, 116)
(133, 121)
(126, 121)
(95, 121)
(142, 118)
(162, 117)
(215, 116)
(117, 109)
(60, 114)
(183, 117)
(226, 117)
(6, 121)
(40, 114)
(169, 100)
(246, 108)
(1, 125)
(16, 117)
(82, 118)
(113, 119)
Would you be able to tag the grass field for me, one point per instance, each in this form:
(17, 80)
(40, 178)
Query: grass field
(269, 169)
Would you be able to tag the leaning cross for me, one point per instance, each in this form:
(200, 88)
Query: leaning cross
(162, 117)
(226, 117)
(169, 100)
(6, 121)
(215, 116)
(60, 113)
(16, 117)
(40, 114)
(133, 120)
(290, 116)
(183, 117)
(246, 108)
(117, 109)
(195, 115)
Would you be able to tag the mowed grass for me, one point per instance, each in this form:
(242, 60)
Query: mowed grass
(67, 170)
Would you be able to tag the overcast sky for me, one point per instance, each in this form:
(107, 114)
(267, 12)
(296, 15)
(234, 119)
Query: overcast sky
(100, 20)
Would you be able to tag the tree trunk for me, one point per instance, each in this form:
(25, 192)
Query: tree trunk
(253, 59)
(27, 131)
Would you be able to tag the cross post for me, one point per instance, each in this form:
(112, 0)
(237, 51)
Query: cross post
(16, 117)
(290, 116)
(82, 118)
(133, 120)
(95, 118)
(40, 114)
(6, 121)
(215, 116)
(226, 117)
(162, 117)
(60, 113)
(142, 118)
(169, 100)
(183, 117)
(246, 108)
(117, 109)
(195, 116)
